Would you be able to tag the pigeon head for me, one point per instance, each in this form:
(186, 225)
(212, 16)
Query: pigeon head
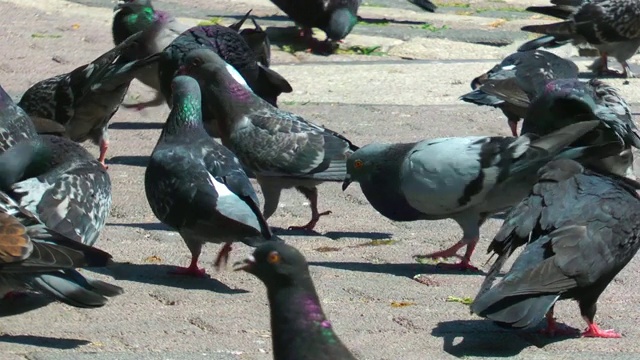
(186, 111)
(340, 24)
(276, 264)
(362, 163)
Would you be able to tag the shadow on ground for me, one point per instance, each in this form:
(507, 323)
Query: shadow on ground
(43, 341)
(158, 274)
(484, 339)
(24, 303)
(131, 160)
(407, 270)
(130, 125)
(146, 226)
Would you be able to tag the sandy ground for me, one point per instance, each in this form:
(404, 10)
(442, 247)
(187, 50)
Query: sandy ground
(358, 277)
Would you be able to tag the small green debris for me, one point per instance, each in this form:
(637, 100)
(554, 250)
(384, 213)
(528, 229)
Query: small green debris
(381, 22)
(452, 4)
(433, 28)
(429, 261)
(374, 5)
(360, 50)
(324, 249)
(462, 300)
(400, 304)
(212, 21)
(41, 36)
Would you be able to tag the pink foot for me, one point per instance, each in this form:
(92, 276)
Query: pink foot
(553, 329)
(104, 145)
(514, 128)
(223, 255)
(594, 331)
(311, 224)
(136, 107)
(192, 270)
(14, 295)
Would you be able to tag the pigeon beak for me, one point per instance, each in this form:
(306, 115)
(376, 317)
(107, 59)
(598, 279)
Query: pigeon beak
(182, 70)
(347, 181)
(119, 5)
(245, 265)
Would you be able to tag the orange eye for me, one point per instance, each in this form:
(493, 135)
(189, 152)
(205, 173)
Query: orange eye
(358, 164)
(273, 257)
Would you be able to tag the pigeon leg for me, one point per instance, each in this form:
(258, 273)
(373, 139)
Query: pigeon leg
(191, 270)
(223, 255)
(513, 125)
(626, 70)
(553, 329)
(593, 330)
(464, 264)
(104, 145)
(14, 295)
(312, 196)
(604, 67)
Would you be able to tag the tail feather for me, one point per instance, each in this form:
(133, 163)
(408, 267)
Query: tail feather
(548, 41)
(71, 288)
(425, 5)
(479, 97)
(515, 312)
(560, 28)
(561, 12)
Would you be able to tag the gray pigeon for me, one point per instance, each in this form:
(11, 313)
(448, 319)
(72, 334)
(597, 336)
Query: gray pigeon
(512, 84)
(61, 182)
(611, 26)
(15, 124)
(197, 186)
(580, 229)
(34, 257)
(566, 101)
(85, 99)
(465, 179)
(299, 328)
(282, 149)
(335, 17)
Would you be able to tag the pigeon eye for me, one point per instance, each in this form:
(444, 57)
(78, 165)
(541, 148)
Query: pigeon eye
(273, 257)
(196, 62)
(358, 164)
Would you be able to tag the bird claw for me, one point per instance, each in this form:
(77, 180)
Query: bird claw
(189, 271)
(594, 331)
(311, 224)
(462, 266)
(136, 107)
(562, 330)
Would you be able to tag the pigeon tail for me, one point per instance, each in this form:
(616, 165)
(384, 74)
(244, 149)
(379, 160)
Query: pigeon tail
(522, 311)
(561, 12)
(425, 5)
(561, 28)
(71, 288)
(479, 97)
(547, 41)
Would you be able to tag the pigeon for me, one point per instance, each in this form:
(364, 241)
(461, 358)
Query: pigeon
(465, 179)
(566, 101)
(611, 26)
(281, 149)
(15, 124)
(85, 99)
(229, 45)
(61, 182)
(131, 16)
(34, 257)
(580, 228)
(299, 328)
(516, 80)
(335, 17)
(198, 187)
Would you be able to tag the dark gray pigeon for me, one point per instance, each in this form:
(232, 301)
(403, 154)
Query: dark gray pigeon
(465, 179)
(580, 229)
(61, 182)
(197, 186)
(566, 101)
(85, 99)
(611, 26)
(281, 149)
(231, 47)
(34, 257)
(299, 328)
(335, 17)
(512, 84)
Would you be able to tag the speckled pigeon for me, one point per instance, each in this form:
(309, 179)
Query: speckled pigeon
(282, 149)
(34, 257)
(229, 45)
(85, 99)
(335, 17)
(580, 229)
(465, 179)
(611, 26)
(566, 101)
(197, 186)
(513, 83)
(15, 124)
(299, 328)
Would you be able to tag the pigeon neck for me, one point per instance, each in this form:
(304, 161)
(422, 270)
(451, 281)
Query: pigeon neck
(26, 159)
(297, 320)
(186, 115)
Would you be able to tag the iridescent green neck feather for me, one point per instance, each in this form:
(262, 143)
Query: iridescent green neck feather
(141, 20)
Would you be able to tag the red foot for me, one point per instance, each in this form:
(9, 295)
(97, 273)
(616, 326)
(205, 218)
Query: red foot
(136, 107)
(514, 128)
(14, 295)
(553, 329)
(192, 270)
(462, 266)
(594, 331)
(223, 255)
(311, 224)
(104, 145)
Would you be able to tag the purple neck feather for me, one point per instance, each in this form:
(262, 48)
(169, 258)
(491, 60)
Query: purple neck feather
(238, 91)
